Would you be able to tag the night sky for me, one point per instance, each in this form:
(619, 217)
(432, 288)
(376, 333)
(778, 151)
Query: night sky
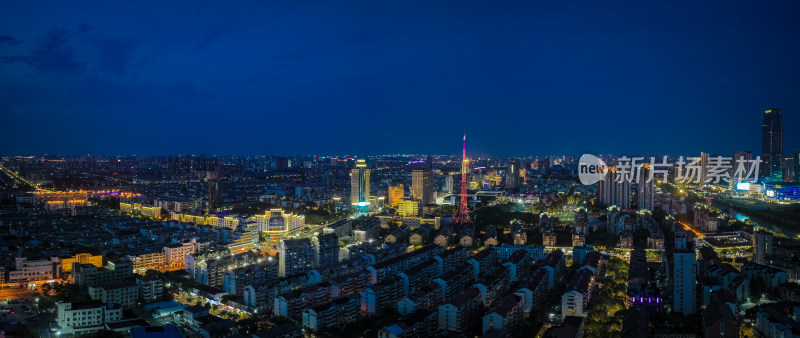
(379, 77)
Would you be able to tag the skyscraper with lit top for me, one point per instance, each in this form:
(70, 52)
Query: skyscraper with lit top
(772, 144)
(359, 184)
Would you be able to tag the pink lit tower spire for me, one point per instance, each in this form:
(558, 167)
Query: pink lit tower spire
(463, 213)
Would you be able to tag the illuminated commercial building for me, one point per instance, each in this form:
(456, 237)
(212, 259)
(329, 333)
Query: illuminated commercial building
(359, 184)
(422, 185)
(276, 223)
(772, 144)
(81, 258)
(408, 207)
(131, 208)
(230, 222)
(778, 191)
(396, 193)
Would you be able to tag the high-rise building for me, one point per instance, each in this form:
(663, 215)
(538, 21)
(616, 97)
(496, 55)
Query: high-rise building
(512, 174)
(614, 190)
(703, 167)
(359, 184)
(448, 184)
(396, 193)
(646, 190)
(788, 170)
(772, 144)
(295, 256)
(762, 246)
(796, 161)
(684, 281)
(422, 185)
(214, 195)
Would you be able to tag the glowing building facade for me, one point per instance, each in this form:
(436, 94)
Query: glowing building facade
(359, 184)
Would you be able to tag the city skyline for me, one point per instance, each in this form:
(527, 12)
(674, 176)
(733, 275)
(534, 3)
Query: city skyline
(269, 78)
(291, 169)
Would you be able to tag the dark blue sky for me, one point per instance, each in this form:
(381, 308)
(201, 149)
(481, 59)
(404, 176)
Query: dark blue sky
(369, 77)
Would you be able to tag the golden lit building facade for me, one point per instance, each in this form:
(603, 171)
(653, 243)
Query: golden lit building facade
(359, 184)
(396, 193)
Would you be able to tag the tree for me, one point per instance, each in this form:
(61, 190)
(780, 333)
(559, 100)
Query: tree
(757, 288)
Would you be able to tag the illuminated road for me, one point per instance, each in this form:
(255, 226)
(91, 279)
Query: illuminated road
(15, 176)
(688, 227)
(16, 293)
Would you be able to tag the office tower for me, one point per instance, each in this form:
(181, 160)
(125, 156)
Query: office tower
(396, 193)
(512, 174)
(214, 195)
(703, 167)
(359, 184)
(772, 144)
(295, 256)
(422, 185)
(612, 192)
(448, 184)
(684, 280)
(646, 190)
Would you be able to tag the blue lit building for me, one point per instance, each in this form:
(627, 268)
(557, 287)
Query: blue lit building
(781, 191)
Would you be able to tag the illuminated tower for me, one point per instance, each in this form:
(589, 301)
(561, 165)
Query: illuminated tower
(359, 184)
(463, 214)
(772, 143)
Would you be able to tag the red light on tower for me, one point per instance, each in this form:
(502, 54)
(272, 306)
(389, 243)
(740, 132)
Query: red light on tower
(463, 213)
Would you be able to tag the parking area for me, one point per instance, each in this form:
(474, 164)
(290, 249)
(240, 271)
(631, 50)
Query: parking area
(18, 311)
(25, 311)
